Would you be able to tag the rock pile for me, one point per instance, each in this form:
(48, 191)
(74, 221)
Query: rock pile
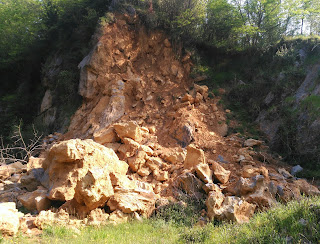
(145, 133)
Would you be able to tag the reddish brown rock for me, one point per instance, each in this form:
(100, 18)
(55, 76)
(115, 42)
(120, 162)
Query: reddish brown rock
(306, 188)
(194, 157)
(220, 173)
(129, 129)
(251, 171)
(36, 200)
(129, 148)
(204, 172)
(137, 161)
(105, 136)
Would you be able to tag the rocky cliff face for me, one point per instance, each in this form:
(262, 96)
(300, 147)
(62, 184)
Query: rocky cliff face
(292, 121)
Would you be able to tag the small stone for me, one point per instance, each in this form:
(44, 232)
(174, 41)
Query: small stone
(252, 143)
(143, 172)
(303, 222)
(296, 169)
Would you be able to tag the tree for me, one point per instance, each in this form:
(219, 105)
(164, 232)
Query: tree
(222, 21)
(19, 25)
(183, 18)
(263, 22)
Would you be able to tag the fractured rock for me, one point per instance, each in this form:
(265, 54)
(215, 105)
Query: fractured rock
(137, 161)
(307, 188)
(231, 208)
(97, 217)
(129, 129)
(204, 173)
(118, 217)
(220, 173)
(61, 218)
(105, 136)
(129, 148)
(79, 170)
(263, 194)
(194, 157)
(249, 171)
(36, 200)
(132, 200)
(9, 218)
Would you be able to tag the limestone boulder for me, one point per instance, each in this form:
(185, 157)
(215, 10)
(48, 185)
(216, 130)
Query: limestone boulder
(105, 136)
(7, 170)
(35, 163)
(203, 90)
(36, 200)
(176, 157)
(79, 170)
(9, 218)
(209, 187)
(61, 217)
(129, 148)
(220, 173)
(133, 200)
(128, 130)
(154, 163)
(144, 171)
(123, 181)
(160, 175)
(194, 157)
(249, 171)
(261, 192)
(187, 98)
(307, 188)
(214, 200)
(33, 178)
(204, 172)
(230, 208)
(288, 191)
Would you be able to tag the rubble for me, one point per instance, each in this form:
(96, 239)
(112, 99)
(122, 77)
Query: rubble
(148, 134)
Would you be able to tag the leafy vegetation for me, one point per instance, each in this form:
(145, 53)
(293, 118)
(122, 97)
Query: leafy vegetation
(297, 222)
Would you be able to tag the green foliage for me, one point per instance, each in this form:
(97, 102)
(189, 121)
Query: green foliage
(19, 24)
(223, 20)
(312, 105)
(195, 235)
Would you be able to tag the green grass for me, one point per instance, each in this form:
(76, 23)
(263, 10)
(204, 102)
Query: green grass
(298, 221)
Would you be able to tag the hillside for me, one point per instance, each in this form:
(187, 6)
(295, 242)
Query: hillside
(146, 136)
